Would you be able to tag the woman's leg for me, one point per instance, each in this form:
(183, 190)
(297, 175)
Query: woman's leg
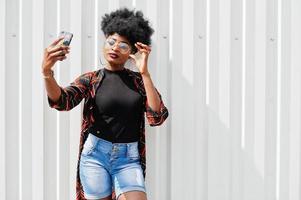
(94, 176)
(133, 195)
(107, 198)
(127, 176)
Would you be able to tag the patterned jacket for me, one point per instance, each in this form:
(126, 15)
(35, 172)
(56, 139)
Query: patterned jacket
(85, 87)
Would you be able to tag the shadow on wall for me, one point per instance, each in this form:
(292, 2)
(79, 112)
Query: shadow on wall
(221, 169)
(204, 163)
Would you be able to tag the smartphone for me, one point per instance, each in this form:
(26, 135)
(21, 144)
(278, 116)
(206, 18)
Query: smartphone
(67, 38)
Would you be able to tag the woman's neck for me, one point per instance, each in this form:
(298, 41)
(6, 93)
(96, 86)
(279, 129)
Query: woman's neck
(114, 67)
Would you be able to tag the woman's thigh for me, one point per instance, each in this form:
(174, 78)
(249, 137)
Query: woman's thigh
(94, 176)
(96, 181)
(127, 177)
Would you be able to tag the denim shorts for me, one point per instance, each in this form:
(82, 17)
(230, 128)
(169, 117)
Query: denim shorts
(107, 167)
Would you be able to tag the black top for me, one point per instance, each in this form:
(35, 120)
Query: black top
(119, 108)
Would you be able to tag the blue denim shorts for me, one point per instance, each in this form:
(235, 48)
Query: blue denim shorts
(106, 166)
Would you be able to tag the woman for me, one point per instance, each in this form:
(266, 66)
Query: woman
(111, 159)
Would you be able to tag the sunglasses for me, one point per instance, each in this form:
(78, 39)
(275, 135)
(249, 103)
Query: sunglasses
(122, 46)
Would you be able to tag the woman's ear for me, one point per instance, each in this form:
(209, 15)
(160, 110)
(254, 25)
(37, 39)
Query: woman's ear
(133, 49)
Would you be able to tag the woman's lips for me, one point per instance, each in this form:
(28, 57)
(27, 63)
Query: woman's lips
(113, 55)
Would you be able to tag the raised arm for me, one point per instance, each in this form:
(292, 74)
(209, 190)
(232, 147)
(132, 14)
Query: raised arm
(52, 54)
(58, 97)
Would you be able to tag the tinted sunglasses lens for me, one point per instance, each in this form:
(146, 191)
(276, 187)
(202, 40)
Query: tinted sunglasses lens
(124, 48)
(110, 42)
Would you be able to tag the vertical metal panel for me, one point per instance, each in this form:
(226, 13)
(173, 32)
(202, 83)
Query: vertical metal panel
(259, 96)
(113, 4)
(37, 106)
(236, 100)
(25, 99)
(200, 143)
(100, 38)
(151, 134)
(250, 171)
(141, 5)
(271, 100)
(125, 3)
(50, 116)
(160, 44)
(177, 104)
(2, 100)
(63, 119)
(75, 69)
(243, 143)
(12, 89)
(285, 129)
(218, 137)
(214, 11)
(294, 182)
(188, 106)
(224, 61)
(88, 35)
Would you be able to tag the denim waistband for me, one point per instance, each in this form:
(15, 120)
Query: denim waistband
(104, 144)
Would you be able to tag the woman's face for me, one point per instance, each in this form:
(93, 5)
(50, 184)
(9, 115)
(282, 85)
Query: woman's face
(116, 49)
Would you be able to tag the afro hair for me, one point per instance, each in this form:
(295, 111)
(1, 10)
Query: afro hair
(129, 24)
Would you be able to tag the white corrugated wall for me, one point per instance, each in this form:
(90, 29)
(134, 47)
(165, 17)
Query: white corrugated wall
(228, 70)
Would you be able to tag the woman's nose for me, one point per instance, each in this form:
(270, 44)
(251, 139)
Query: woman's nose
(115, 47)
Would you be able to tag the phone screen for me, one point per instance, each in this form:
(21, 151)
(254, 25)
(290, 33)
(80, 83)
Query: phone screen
(67, 38)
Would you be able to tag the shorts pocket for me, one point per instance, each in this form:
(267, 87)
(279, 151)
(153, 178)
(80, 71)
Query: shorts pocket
(133, 153)
(88, 147)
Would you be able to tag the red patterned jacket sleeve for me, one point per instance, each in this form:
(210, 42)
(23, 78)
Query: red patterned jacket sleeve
(156, 118)
(73, 94)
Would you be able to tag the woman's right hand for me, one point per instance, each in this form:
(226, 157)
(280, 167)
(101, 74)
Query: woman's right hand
(53, 53)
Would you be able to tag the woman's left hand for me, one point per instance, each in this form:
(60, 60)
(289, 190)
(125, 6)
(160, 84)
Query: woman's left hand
(140, 58)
